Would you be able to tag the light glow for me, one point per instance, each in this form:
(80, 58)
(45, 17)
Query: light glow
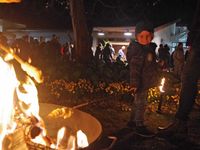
(162, 85)
(127, 33)
(101, 34)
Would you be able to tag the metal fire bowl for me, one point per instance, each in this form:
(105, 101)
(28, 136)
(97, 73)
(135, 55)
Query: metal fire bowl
(79, 120)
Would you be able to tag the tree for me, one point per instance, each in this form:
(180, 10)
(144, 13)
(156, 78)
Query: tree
(82, 38)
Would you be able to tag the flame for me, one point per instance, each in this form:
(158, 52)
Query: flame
(27, 99)
(10, 1)
(32, 71)
(71, 145)
(60, 135)
(8, 57)
(7, 87)
(39, 139)
(81, 139)
(68, 141)
(162, 85)
(29, 60)
(28, 104)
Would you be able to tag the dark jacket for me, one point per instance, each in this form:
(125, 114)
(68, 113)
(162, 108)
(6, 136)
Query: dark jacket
(144, 72)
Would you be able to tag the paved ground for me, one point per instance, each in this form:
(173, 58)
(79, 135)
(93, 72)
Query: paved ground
(128, 140)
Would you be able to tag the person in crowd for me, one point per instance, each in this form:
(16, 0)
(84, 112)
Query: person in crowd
(167, 56)
(188, 53)
(143, 67)
(108, 53)
(121, 54)
(179, 60)
(171, 62)
(65, 52)
(160, 51)
(164, 56)
(99, 52)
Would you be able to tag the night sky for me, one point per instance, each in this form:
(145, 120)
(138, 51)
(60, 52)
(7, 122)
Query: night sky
(55, 13)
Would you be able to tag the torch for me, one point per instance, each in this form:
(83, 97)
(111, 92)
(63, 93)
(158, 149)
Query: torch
(161, 95)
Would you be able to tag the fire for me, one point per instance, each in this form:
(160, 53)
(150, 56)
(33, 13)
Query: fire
(10, 1)
(82, 139)
(7, 87)
(162, 85)
(61, 134)
(67, 141)
(22, 97)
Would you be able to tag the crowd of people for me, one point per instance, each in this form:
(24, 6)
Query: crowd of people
(41, 52)
(106, 53)
(168, 60)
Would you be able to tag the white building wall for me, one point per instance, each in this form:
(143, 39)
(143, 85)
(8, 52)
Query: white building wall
(164, 35)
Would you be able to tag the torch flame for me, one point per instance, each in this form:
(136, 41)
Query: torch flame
(162, 85)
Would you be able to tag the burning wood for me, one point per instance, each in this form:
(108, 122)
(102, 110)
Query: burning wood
(21, 112)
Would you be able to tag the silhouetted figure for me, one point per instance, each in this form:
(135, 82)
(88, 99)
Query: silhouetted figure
(99, 52)
(108, 54)
(179, 60)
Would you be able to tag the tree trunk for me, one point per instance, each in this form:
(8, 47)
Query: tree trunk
(80, 31)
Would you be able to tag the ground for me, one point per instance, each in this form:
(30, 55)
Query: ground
(114, 114)
(113, 119)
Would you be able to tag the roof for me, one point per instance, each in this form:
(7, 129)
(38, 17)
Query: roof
(10, 25)
(130, 28)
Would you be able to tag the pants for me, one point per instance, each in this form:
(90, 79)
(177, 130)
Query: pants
(138, 107)
(189, 87)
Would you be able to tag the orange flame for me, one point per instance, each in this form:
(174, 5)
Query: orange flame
(162, 85)
(10, 1)
(7, 87)
(82, 141)
(27, 101)
(60, 135)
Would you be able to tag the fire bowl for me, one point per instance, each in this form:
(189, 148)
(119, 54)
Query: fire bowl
(79, 120)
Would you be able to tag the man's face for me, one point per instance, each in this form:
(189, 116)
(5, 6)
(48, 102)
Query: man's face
(144, 37)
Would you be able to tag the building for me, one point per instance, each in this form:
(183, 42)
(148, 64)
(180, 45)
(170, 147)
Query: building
(15, 30)
(169, 33)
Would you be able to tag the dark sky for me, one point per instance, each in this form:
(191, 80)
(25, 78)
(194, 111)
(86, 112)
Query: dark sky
(55, 13)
